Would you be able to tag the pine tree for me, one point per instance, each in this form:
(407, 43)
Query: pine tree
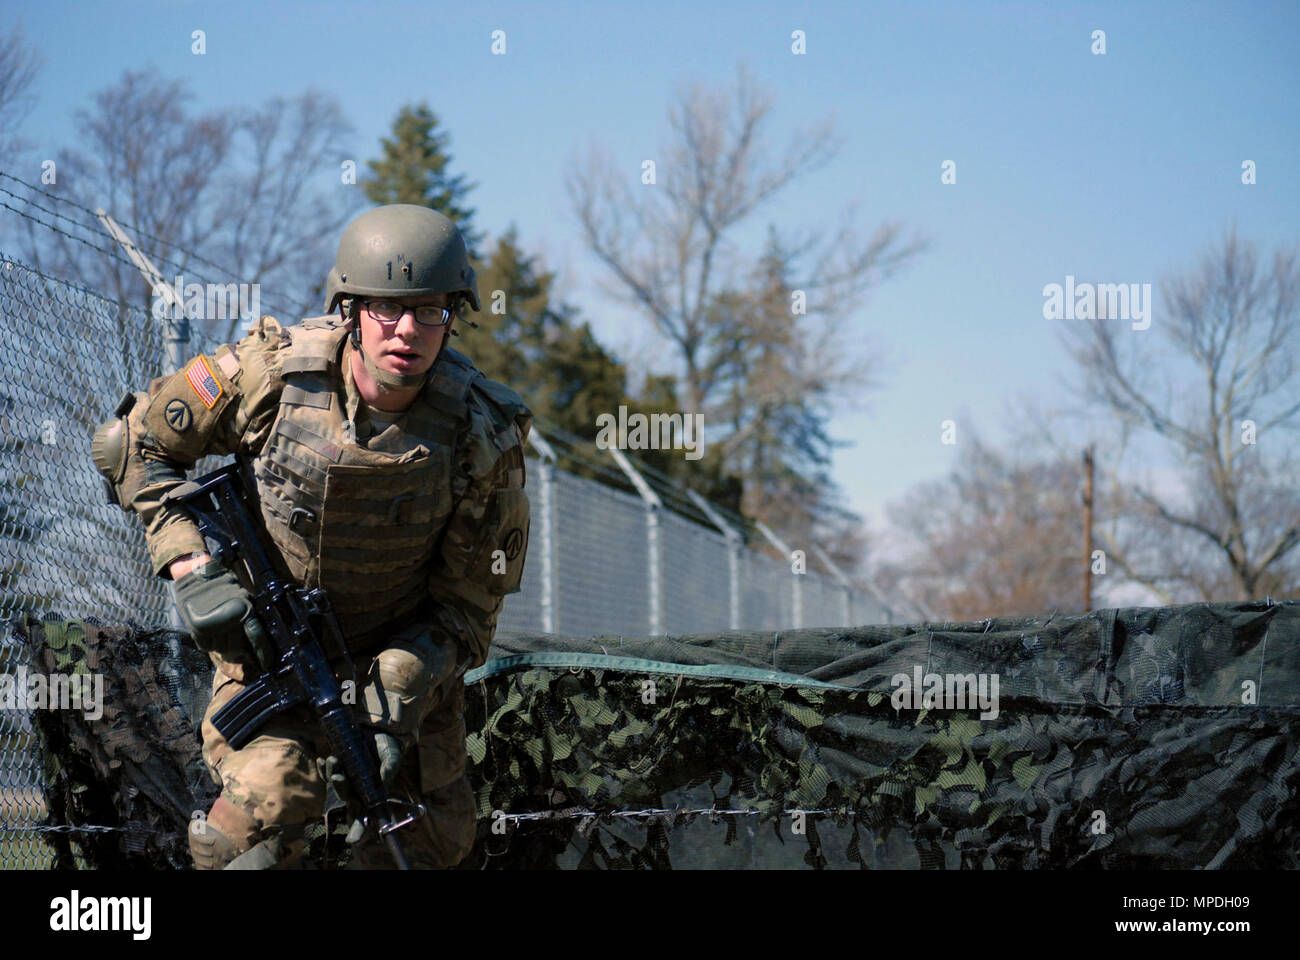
(775, 409)
(538, 346)
(413, 169)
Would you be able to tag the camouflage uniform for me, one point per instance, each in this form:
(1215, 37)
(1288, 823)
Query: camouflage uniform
(416, 529)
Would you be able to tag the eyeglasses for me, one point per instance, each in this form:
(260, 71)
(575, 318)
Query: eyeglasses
(388, 311)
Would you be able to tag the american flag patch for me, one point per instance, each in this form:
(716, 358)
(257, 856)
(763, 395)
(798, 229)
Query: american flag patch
(205, 384)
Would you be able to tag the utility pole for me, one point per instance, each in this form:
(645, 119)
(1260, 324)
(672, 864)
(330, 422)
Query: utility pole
(1087, 527)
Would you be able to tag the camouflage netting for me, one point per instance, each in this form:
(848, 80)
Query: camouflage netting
(1136, 738)
(136, 767)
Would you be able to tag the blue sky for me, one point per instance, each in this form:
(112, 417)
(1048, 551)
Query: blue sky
(1121, 167)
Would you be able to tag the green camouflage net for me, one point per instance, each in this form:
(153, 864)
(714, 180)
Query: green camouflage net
(1125, 739)
(136, 768)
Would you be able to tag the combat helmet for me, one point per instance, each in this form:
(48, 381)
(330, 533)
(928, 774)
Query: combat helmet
(401, 250)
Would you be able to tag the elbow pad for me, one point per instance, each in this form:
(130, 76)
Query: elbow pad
(110, 449)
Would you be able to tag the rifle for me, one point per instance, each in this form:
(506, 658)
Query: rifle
(295, 670)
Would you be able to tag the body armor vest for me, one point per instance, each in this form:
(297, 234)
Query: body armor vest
(359, 518)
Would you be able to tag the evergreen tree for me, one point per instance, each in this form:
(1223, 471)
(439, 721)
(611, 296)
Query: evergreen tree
(775, 408)
(539, 346)
(413, 169)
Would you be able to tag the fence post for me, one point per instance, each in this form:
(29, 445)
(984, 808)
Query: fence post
(842, 580)
(796, 589)
(654, 549)
(548, 529)
(176, 329)
(733, 556)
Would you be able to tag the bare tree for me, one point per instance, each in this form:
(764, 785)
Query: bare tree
(19, 65)
(671, 250)
(999, 536)
(145, 161)
(1206, 402)
(210, 197)
(279, 218)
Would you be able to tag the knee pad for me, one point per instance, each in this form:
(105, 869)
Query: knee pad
(227, 832)
(403, 680)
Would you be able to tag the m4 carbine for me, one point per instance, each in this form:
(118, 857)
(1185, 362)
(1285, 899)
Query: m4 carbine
(295, 670)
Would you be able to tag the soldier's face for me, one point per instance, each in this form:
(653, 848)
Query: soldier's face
(403, 345)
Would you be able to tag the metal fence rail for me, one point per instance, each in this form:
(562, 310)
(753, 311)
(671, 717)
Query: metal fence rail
(67, 354)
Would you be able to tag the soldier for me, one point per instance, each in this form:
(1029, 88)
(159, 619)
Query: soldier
(390, 472)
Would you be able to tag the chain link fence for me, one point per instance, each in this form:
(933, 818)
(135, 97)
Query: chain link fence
(67, 355)
(22, 807)
(603, 578)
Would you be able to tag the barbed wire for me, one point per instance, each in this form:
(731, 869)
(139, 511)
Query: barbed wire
(110, 252)
(593, 815)
(7, 261)
(69, 828)
(576, 447)
(32, 203)
(133, 227)
(554, 431)
(660, 813)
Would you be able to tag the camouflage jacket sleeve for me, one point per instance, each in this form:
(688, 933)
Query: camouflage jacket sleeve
(221, 403)
(481, 556)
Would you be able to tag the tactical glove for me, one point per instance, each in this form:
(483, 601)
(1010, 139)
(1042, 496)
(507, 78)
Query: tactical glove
(389, 750)
(218, 613)
(390, 756)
